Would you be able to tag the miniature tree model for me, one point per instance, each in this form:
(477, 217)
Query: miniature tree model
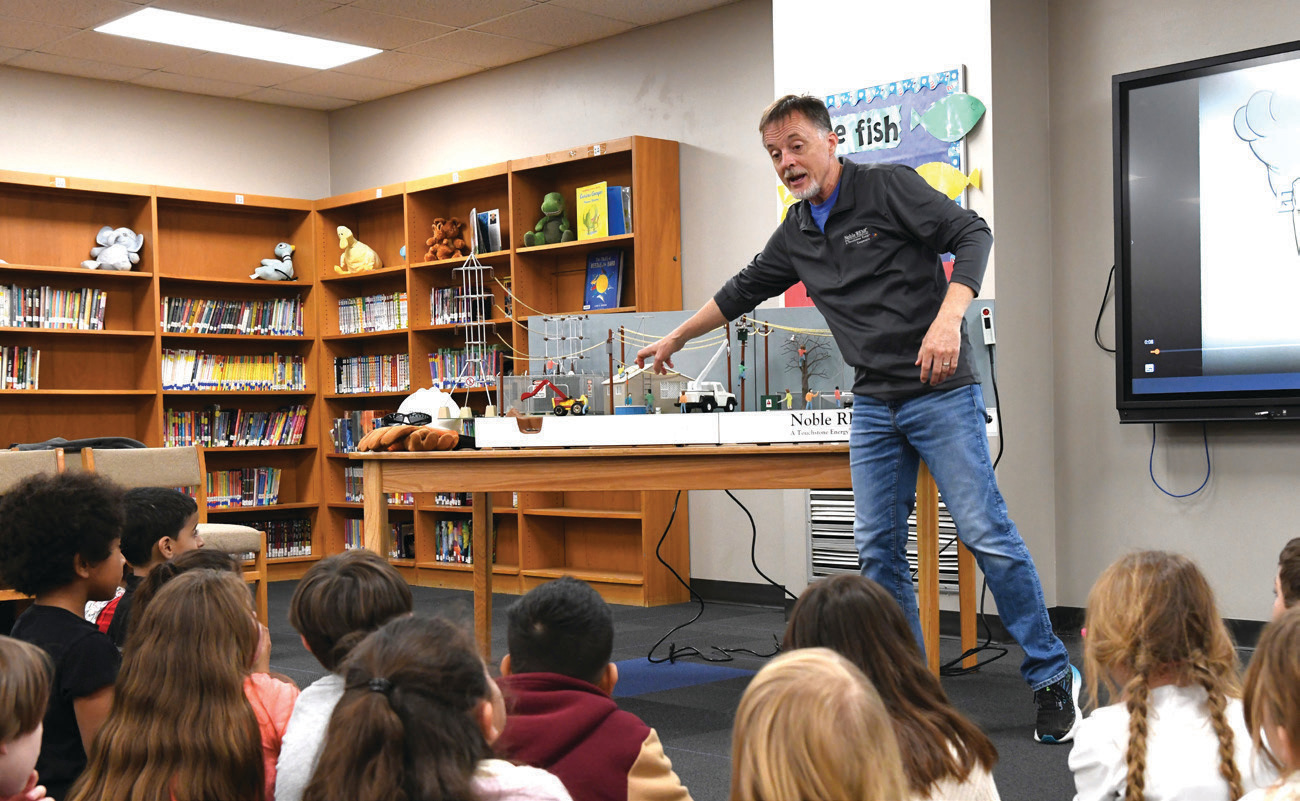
(809, 355)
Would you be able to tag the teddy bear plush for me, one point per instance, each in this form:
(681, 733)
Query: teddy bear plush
(448, 240)
(119, 249)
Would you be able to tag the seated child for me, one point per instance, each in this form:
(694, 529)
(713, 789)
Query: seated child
(810, 726)
(186, 715)
(1272, 702)
(336, 604)
(161, 523)
(944, 754)
(1286, 584)
(1175, 729)
(59, 542)
(24, 693)
(417, 720)
(271, 694)
(149, 586)
(557, 678)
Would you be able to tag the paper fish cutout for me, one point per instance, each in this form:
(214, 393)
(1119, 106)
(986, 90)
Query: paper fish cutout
(947, 178)
(950, 118)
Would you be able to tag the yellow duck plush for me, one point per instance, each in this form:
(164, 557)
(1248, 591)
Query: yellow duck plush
(357, 256)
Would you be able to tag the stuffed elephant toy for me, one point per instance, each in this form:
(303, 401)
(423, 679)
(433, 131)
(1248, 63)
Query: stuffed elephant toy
(119, 249)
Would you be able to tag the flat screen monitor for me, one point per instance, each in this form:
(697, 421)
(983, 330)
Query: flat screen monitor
(1207, 238)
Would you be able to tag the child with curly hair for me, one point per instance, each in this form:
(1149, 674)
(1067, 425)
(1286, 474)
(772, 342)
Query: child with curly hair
(945, 756)
(1272, 702)
(184, 725)
(24, 693)
(59, 543)
(1176, 730)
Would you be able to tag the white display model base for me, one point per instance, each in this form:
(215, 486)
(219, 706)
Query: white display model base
(717, 428)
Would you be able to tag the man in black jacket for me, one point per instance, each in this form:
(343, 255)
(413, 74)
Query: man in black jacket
(866, 242)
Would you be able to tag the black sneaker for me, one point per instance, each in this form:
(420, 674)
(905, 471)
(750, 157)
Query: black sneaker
(1058, 709)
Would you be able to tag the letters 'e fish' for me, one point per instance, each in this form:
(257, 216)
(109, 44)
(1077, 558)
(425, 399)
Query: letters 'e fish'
(950, 118)
(947, 178)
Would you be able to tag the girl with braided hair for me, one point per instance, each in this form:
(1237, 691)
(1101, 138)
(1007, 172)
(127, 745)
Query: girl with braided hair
(1156, 642)
(416, 722)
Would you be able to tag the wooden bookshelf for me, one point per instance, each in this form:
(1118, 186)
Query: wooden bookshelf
(204, 245)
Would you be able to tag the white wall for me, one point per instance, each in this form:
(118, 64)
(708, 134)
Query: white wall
(702, 80)
(1105, 502)
(95, 129)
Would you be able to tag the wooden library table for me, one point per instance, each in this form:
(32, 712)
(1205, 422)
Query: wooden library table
(648, 467)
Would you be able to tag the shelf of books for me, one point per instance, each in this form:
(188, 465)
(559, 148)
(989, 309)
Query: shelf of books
(77, 352)
(278, 380)
(237, 359)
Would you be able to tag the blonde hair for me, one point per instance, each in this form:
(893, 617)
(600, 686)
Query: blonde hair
(25, 672)
(811, 727)
(1272, 694)
(1152, 618)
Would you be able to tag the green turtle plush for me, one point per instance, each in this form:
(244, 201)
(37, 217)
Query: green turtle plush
(554, 225)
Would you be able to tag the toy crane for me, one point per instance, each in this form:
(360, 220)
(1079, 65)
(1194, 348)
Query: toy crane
(707, 395)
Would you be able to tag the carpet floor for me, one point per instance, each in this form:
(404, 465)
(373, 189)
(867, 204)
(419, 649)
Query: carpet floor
(691, 703)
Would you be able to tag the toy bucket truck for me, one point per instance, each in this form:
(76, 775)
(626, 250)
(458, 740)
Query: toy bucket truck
(707, 396)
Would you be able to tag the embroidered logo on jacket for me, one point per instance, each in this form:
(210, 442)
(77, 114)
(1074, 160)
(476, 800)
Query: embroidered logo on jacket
(862, 236)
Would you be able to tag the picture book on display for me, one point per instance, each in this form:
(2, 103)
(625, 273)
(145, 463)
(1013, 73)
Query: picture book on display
(592, 212)
(487, 231)
(620, 210)
(604, 280)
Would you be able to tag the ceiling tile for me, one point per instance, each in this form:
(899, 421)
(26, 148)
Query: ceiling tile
(483, 49)
(553, 25)
(280, 97)
(353, 25)
(75, 66)
(27, 35)
(72, 13)
(407, 68)
(221, 67)
(640, 12)
(261, 13)
(193, 85)
(457, 13)
(337, 84)
(119, 50)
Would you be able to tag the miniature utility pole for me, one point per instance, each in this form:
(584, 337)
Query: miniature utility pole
(609, 351)
(728, 330)
(743, 334)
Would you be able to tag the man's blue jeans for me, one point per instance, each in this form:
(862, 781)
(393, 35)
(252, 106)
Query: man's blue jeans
(946, 429)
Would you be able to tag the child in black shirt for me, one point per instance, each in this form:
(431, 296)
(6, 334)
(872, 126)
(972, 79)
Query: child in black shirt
(59, 542)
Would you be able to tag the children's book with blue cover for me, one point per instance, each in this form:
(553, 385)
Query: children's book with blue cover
(604, 280)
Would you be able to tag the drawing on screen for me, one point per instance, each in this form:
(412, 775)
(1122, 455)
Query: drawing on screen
(1270, 123)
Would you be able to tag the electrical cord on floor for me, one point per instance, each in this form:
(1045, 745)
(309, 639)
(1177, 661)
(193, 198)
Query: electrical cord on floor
(1205, 436)
(675, 653)
(1096, 328)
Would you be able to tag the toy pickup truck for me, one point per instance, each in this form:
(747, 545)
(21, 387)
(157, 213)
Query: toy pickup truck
(706, 396)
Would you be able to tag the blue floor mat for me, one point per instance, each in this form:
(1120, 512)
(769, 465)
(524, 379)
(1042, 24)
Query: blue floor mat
(641, 676)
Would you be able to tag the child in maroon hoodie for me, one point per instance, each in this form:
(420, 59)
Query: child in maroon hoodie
(557, 680)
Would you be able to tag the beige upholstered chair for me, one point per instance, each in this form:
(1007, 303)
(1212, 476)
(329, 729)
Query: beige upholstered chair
(14, 467)
(183, 467)
(152, 467)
